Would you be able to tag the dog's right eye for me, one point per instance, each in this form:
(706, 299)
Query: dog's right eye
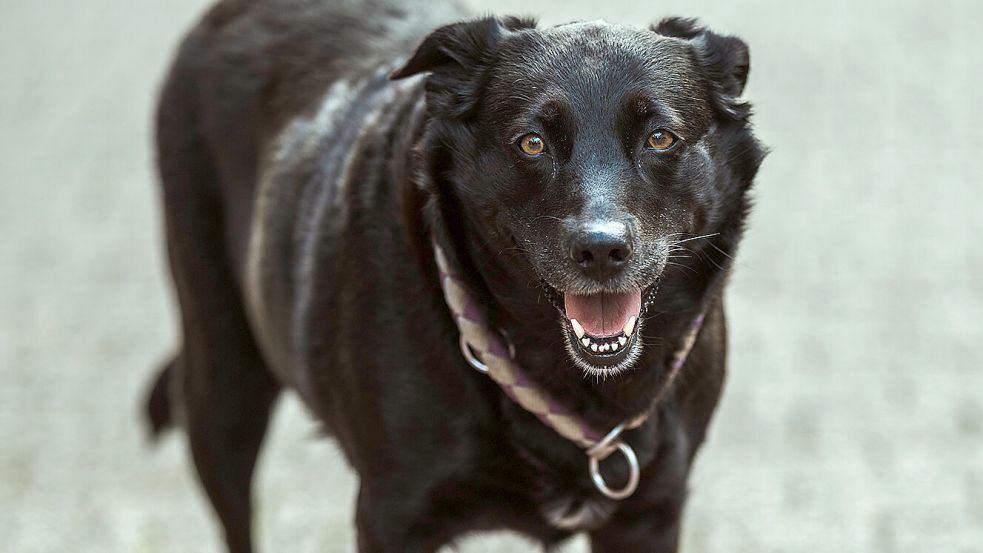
(532, 144)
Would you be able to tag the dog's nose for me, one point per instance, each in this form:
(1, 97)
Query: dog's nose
(602, 250)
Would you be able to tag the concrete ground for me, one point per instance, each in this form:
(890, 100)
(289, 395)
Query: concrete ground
(853, 417)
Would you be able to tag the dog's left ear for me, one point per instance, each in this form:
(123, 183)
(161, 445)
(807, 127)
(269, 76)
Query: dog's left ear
(456, 55)
(726, 60)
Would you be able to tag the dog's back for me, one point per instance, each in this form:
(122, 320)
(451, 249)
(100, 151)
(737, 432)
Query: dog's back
(240, 76)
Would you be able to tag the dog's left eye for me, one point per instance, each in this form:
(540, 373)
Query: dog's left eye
(661, 140)
(532, 144)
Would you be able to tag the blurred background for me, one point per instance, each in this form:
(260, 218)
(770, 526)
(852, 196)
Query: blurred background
(852, 420)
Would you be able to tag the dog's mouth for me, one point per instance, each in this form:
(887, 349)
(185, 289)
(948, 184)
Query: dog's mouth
(603, 324)
(602, 328)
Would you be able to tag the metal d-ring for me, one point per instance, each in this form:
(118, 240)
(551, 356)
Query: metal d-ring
(472, 358)
(633, 473)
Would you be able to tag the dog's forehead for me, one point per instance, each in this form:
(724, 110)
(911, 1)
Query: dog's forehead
(589, 59)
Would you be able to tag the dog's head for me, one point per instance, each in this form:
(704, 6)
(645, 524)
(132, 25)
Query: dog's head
(594, 160)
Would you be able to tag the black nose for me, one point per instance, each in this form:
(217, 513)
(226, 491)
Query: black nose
(601, 250)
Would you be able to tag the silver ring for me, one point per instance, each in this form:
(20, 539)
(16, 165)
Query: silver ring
(471, 358)
(633, 474)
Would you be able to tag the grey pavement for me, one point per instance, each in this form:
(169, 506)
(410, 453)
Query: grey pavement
(852, 420)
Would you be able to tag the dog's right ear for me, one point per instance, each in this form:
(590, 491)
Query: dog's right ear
(457, 55)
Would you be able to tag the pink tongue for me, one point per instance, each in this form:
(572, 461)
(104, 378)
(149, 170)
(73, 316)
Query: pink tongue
(603, 314)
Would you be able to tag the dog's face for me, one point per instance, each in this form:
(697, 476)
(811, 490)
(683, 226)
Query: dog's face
(586, 156)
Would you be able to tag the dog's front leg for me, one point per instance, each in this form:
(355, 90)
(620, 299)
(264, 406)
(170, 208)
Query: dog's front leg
(651, 527)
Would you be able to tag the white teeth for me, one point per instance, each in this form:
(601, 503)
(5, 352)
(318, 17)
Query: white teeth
(577, 329)
(615, 344)
(630, 326)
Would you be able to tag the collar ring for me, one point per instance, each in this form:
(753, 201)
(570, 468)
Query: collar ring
(633, 473)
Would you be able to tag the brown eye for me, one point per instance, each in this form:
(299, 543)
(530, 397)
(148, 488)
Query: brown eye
(661, 140)
(532, 144)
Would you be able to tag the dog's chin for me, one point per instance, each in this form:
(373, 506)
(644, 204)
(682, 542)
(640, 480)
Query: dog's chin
(602, 330)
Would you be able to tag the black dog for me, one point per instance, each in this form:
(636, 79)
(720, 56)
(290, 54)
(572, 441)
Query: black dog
(587, 181)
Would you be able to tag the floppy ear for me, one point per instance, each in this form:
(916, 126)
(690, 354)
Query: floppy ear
(457, 55)
(726, 60)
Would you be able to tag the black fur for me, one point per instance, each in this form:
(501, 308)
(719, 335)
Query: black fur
(301, 253)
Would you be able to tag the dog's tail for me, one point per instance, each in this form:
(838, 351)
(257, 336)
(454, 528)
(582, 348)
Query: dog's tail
(158, 402)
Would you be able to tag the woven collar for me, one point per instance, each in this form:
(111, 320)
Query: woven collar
(487, 350)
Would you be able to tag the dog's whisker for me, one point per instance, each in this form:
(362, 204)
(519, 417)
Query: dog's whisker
(681, 266)
(696, 238)
(709, 260)
(716, 247)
